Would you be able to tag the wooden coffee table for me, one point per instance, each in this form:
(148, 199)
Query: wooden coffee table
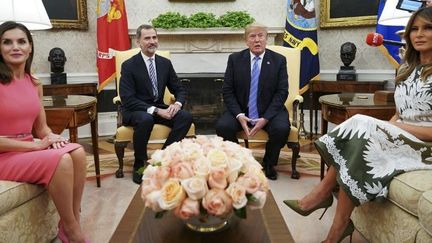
(262, 226)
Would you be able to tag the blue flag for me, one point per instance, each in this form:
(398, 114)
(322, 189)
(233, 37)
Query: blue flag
(389, 33)
(301, 32)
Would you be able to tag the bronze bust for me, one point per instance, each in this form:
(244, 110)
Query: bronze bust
(58, 59)
(347, 54)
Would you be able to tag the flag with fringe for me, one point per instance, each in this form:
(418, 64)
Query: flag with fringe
(112, 34)
(301, 32)
(389, 33)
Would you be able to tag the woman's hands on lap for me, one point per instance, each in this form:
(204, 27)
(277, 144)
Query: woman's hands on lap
(53, 141)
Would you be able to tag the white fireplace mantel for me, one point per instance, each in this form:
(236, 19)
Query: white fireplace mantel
(210, 40)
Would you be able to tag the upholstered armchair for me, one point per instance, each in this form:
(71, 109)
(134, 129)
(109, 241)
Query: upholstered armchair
(292, 104)
(124, 134)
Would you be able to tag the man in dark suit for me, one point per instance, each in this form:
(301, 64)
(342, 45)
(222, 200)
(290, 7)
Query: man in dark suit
(144, 78)
(254, 92)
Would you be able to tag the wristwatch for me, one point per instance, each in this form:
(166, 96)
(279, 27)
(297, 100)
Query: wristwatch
(155, 111)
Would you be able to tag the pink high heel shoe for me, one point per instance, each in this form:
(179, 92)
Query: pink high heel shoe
(62, 236)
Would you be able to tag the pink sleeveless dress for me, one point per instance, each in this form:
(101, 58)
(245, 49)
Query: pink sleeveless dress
(19, 107)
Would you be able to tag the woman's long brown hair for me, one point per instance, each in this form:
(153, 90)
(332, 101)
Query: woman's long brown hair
(412, 57)
(6, 74)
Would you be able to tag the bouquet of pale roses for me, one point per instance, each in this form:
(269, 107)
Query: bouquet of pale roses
(203, 176)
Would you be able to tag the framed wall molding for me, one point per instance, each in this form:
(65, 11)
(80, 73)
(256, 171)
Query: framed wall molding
(348, 13)
(67, 14)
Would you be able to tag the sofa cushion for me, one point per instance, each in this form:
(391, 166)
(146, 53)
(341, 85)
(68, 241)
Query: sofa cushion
(382, 222)
(13, 194)
(34, 221)
(406, 189)
(425, 211)
(423, 237)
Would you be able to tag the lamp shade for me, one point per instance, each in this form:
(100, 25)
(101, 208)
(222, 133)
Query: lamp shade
(31, 13)
(393, 16)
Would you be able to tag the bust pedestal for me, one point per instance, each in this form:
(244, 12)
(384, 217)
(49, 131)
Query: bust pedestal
(58, 78)
(346, 74)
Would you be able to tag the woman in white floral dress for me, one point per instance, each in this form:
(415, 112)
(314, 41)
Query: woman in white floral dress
(365, 153)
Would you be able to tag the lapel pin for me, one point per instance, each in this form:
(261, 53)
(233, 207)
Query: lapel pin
(268, 62)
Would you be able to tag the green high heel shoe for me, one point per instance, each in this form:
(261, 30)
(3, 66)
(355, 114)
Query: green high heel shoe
(293, 204)
(348, 231)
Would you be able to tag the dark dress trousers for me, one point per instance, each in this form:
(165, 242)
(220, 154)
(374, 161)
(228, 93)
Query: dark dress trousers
(137, 95)
(272, 94)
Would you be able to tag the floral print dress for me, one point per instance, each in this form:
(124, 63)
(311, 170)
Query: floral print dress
(367, 153)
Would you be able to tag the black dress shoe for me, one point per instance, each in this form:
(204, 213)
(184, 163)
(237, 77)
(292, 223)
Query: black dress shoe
(137, 176)
(270, 172)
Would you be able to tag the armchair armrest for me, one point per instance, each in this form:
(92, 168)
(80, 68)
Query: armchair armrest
(293, 105)
(299, 98)
(294, 112)
(172, 99)
(116, 100)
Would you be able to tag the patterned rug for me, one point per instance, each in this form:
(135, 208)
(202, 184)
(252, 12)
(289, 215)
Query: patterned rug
(307, 163)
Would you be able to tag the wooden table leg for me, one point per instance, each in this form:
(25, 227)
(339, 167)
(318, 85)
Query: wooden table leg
(324, 127)
(94, 134)
(316, 121)
(73, 134)
(302, 130)
(322, 169)
(311, 109)
(324, 124)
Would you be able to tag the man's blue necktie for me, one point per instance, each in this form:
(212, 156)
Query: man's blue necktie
(153, 78)
(252, 104)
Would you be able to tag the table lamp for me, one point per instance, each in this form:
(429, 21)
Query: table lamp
(31, 13)
(393, 16)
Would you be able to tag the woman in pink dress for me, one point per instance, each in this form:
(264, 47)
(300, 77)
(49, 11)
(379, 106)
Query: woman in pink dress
(48, 160)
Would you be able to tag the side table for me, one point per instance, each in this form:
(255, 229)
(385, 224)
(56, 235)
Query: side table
(337, 108)
(73, 111)
(319, 87)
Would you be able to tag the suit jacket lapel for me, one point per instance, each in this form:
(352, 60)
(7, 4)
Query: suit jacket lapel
(264, 72)
(247, 70)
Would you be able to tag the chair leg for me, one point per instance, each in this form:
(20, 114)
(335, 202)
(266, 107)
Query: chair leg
(295, 147)
(119, 149)
(246, 142)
